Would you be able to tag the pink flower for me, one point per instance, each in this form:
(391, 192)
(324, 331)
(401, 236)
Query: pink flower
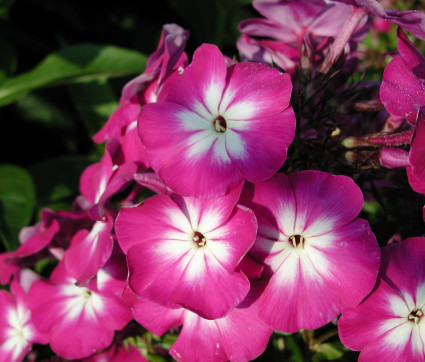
(17, 330)
(318, 255)
(390, 322)
(80, 320)
(219, 125)
(186, 251)
(239, 336)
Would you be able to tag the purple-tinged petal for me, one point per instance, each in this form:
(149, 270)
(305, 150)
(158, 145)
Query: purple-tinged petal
(416, 184)
(267, 28)
(417, 148)
(153, 182)
(258, 147)
(411, 20)
(371, 5)
(324, 201)
(291, 14)
(411, 55)
(401, 91)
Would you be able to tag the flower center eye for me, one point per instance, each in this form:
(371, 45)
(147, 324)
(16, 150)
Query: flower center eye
(199, 238)
(415, 315)
(220, 124)
(297, 240)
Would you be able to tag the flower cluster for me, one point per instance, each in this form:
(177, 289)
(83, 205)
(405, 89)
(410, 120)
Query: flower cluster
(209, 217)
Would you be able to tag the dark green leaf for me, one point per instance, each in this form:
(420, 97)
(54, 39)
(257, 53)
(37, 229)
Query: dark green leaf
(73, 64)
(7, 60)
(58, 178)
(95, 101)
(17, 202)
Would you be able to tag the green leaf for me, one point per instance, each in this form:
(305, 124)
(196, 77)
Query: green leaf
(74, 64)
(95, 101)
(329, 351)
(17, 202)
(58, 178)
(7, 60)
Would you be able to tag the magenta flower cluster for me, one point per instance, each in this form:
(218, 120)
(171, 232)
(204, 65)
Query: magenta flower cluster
(229, 248)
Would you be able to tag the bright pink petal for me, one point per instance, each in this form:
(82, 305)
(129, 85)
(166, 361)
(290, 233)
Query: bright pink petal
(247, 97)
(207, 289)
(356, 245)
(151, 220)
(296, 297)
(199, 340)
(89, 251)
(416, 184)
(155, 318)
(391, 157)
(202, 84)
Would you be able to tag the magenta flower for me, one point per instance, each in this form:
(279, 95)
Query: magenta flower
(239, 336)
(219, 125)
(80, 320)
(186, 251)
(318, 255)
(390, 322)
(17, 330)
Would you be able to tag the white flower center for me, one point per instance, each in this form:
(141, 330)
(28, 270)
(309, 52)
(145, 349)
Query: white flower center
(220, 124)
(415, 316)
(199, 239)
(297, 241)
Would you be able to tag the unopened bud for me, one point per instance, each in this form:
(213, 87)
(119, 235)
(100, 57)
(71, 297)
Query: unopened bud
(372, 105)
(336, 133)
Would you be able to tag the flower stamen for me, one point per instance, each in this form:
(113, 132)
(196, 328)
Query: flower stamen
(297, 240)
(199, 239)
(220, 124)
(415, 315)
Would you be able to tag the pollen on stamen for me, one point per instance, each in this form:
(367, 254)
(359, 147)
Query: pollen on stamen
(415, 316)
(297, 241)
(220, 124)
(199, 238)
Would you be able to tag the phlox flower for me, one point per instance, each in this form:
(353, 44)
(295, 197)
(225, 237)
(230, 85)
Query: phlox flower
(186, 251)
(390, 322)
(17, 330)
(239, 336)
(318, 256)
(287, 26)
(80, 320)
(219, 125)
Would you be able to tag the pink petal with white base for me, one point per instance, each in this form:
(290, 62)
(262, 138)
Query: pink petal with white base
(178, 252)
(89, 251)
(196, 151)
(203, 83)
(246, 97)
(391, 319)
(337, 200)
(258, 147)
